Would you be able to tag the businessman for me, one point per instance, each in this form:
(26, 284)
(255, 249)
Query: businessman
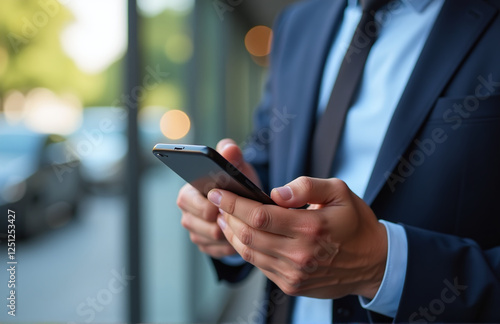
(392, 136)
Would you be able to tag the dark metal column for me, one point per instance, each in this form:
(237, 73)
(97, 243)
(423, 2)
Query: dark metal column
(132, 81)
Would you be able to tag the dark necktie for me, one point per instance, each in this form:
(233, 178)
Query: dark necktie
(329, 127)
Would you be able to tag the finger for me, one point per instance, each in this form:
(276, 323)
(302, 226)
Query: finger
(201, 240)
(191, 201)
(284, 283)
(223, 142)
(301, 285)
(267, 218)
(218, 252)
(274, 268)
(248, 254)
(268, 243)
(198, 226)
(231, 152)
(306, 190)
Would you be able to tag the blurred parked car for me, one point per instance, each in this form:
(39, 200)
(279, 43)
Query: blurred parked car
(101, 146)
(39, 180)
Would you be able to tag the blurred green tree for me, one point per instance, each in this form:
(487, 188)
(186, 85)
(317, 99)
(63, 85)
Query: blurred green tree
(167, 44)
(31, 54)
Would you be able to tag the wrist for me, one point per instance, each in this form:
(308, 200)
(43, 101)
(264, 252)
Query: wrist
(386, 301)
(378, 261)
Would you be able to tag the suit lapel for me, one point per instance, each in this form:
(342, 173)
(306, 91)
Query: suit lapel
(457, 27)
(313, 56)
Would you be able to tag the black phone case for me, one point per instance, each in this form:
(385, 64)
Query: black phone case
(205, 169)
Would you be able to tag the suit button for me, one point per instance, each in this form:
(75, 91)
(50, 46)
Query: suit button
(343, 312)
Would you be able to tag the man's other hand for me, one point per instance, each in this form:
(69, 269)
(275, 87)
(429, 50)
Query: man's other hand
(199, 216)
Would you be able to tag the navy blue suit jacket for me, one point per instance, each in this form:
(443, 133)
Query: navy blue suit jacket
(438, 171)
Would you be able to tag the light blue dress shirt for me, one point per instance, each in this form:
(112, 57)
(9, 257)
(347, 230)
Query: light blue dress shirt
(405, 27)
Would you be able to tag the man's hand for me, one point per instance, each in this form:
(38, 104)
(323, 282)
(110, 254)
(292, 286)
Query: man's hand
(199, 216)
(334, 248)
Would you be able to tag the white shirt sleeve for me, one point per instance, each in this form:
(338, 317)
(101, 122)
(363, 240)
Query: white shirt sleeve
(386, 301)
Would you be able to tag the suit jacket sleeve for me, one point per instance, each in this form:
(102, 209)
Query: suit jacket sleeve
(449, 279)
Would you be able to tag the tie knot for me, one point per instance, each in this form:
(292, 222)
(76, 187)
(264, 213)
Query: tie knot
(369, 5)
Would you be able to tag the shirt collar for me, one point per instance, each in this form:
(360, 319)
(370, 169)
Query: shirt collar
(417, 5)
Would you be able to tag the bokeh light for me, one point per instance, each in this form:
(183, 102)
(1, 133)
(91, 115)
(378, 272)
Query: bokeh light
(175, 124)
(92, 47)
(154, 7)
(258, 41)
(46, 112)
(13, 106)
(179, 48)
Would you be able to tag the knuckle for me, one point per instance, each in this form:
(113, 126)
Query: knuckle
(299, 278)
(188, 196)
(293, 284)
(246, 235)
(290, 291)
(185, 222)
(305, 183)
(197, 199)
(181, 199)
(231, 205)
(260, 218)
(339, 184)
(194, 238)
(246, 254)
(287, 289)
(304, 261)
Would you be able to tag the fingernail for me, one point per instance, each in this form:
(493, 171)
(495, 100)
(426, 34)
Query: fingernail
(221, 211)
(285, 192)
(222, 223)
(215, 197)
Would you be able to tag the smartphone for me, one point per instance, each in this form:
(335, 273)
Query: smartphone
(205, 169)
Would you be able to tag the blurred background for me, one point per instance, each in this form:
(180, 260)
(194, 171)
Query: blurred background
(87, 88)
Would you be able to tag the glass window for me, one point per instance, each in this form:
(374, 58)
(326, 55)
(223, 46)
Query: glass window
(62, 66)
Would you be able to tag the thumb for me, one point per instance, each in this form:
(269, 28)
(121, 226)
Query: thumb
(306, 190)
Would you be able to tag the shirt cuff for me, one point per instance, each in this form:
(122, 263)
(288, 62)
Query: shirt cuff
(232, 260)
(386, 301)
